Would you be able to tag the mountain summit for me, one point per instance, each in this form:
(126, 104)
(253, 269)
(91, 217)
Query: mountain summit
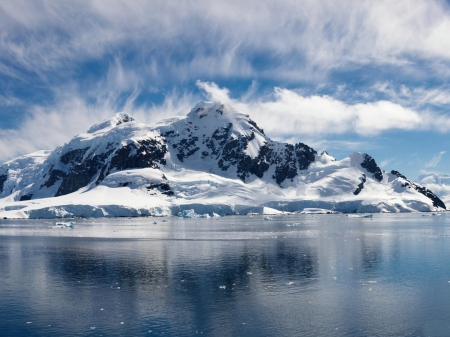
(213, 160)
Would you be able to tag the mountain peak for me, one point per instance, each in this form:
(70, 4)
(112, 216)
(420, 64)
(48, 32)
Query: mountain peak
(118, 119)
(204, 108)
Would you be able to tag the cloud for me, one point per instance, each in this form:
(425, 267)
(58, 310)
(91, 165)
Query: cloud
(287, 114)
(386, 162)
(284, 115)
(435, 160)
(415, 97)
(48, 127)
(253, 39)
(214, 92)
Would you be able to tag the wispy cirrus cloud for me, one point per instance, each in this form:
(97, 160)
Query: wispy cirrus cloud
(283, 40)
(433, 162)
(48, 127)
(288, 113)
(339, 68)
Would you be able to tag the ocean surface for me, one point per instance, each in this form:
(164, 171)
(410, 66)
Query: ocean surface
(310, 275)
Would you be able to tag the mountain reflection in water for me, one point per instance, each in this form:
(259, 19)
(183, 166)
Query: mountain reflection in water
(241, 276)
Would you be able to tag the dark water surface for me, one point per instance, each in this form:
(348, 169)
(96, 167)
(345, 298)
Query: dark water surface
(329, 275)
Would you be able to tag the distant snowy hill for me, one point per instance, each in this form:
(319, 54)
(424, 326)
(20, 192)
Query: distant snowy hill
(214, 160)
(438, 183)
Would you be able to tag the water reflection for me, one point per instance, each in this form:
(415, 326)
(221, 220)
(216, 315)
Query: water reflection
(236, 276)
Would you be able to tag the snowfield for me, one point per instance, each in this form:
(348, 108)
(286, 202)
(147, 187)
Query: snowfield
(214, 161)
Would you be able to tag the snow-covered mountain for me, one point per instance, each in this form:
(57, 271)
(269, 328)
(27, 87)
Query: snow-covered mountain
(214, 160)
(438, 183)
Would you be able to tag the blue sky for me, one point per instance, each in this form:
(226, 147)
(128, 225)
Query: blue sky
(341, 76)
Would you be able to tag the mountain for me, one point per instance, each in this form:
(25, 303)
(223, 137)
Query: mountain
(439, 183)
(214, 160)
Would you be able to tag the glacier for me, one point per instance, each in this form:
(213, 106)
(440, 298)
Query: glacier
(214, 161)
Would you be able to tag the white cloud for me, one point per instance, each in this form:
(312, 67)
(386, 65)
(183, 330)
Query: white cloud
(435, 160)
(49, 127)
(415, 97)
(298, 40)
(214, 92)
(285, 115)
(386, 162)
(288, 113)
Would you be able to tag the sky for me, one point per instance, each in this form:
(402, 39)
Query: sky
(340, 76)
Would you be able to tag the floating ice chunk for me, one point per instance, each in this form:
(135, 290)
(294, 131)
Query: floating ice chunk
(188, 213)
(360, 215)
(222, 287)
(64, 225)
(290, 283)
(312, 210)
(293, 225)
(249, 273)
(268, 218)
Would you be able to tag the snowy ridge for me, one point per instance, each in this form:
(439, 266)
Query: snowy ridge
(213, 160)
(438, 183)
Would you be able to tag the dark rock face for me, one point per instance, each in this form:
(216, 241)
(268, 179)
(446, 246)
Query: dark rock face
(305, 155)
(361, 185)
(422, 190)
(84, 165)
(292, 158)
(286, 164)
(143, 153)
(255, 126)
(26, 197)
(185, 144)
(81, 174)
(229, 150)
(430, 195)
(74, 156)
(3, 178)
(398, 174)
(54, 176)
(164, 188)
(371, 166)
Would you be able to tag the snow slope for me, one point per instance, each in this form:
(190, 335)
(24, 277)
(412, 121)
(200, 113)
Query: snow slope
(438, 183)
(214, 160)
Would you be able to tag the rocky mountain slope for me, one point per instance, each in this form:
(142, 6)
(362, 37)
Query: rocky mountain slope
(215, 159)
(438, 183)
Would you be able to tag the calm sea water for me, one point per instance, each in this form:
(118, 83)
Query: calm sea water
(327, 275)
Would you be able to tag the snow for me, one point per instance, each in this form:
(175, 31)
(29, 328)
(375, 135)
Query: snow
(312, 210)
(439, 184)
(199, 188)
(206, 193)
(360, 215)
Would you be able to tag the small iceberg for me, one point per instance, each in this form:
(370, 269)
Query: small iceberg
(360, 215)
(190, 213)
(64, 225)
(311, 210)
(268, 218)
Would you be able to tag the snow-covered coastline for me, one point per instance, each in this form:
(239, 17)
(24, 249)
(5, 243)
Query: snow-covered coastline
(215, 160)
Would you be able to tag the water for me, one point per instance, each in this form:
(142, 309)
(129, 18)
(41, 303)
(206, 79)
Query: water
(328, 275)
